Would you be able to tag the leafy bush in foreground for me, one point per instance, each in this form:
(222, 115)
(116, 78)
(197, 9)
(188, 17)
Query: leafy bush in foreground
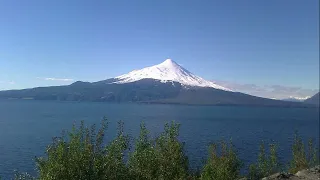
(223, 164)
(160, 159)
(143, 162)
(173, 162)
(266, 165)
(83, 154)
(301, 159)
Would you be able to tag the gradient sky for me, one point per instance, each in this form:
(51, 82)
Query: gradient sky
(257, 42)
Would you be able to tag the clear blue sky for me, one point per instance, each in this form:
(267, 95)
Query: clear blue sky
(261, 42)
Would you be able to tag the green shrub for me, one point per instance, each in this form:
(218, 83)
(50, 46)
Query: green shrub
(173, 163)
(113, 161)
(81, 155)
(313, 154)
(76, 156)
(162, 158)
(266, 164)
(301, 159)
(143, 162)
(222, 165)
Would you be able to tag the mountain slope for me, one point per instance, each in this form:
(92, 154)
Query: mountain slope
(145, 91)
(210, 96)
(167, 71)
(167, 82)
(313, 100)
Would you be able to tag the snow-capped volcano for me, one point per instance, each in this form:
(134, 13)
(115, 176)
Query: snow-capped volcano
(167, 71)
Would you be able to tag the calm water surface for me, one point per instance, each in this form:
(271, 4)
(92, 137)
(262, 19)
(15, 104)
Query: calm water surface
(27, 127)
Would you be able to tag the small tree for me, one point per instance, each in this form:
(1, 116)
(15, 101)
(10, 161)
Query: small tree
(144, 162)
(173, 163)
(223, 164)
(266, 165)
(113, 161)
(75, 156)
(82, 156)
(313, 154)
(301, 159)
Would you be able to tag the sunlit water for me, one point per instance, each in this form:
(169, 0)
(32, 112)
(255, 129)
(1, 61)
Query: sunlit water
(27, 127)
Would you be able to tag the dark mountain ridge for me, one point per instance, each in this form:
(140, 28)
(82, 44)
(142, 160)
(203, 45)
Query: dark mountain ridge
(313, 100)
(144, 91)
(167, 82)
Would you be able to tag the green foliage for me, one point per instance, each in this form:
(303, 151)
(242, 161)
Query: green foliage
(223, 164)
(162, 158)
(113, 161)
(173, 163)
(301, 159)
(313, 154)
(144, 162)
(266, 165)
(81, 155)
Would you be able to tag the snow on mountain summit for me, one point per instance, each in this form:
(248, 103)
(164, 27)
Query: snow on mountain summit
(167, 71)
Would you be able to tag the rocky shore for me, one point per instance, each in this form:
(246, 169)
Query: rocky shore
(307, 174)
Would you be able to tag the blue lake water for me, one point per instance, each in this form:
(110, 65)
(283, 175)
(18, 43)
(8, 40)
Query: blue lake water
(27, 127)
